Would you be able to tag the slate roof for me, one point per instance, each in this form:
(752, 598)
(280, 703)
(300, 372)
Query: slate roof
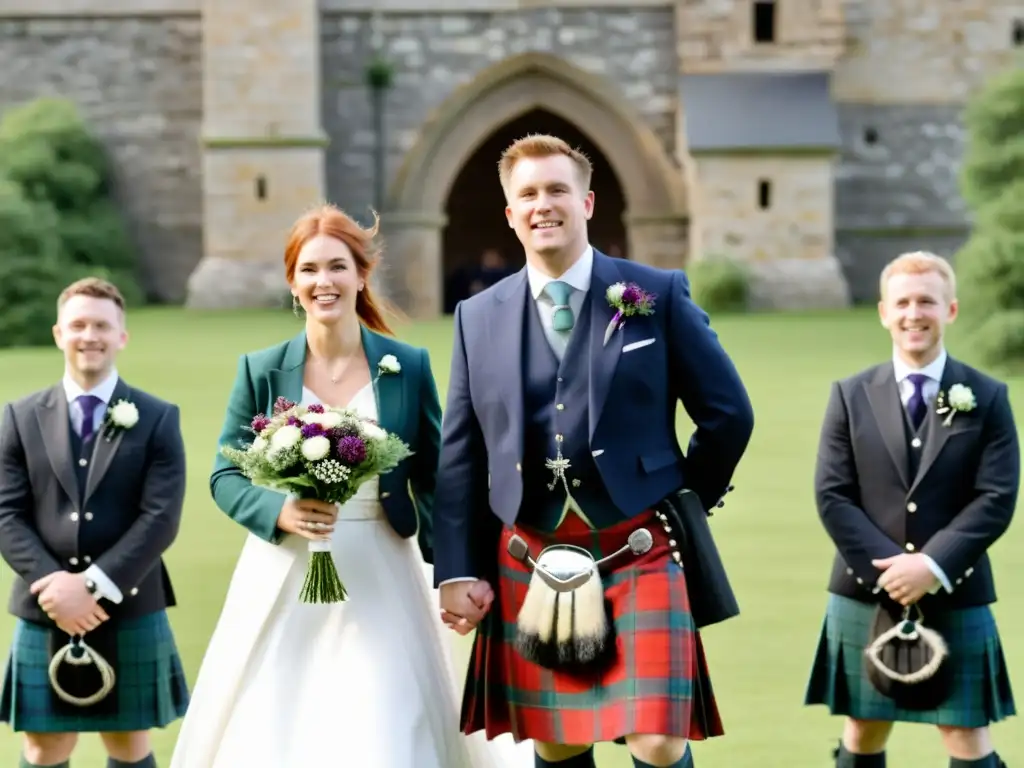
(759, 110)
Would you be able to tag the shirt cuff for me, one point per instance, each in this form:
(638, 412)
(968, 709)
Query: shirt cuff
(939, 574)
(461, 578)
(104, 586)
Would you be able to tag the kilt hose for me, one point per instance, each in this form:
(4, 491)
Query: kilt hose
(981, 691)
(657, 681)
(150, 690)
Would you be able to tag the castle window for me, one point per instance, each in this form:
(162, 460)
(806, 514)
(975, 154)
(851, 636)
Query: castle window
(764, 194)
(261, 187)
(764, 21)
(870, 135)
(1018, 33)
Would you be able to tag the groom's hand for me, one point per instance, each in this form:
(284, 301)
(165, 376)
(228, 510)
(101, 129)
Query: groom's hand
(465, 603)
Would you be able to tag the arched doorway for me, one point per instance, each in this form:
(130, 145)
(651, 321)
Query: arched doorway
(475, 209)
(656, 221)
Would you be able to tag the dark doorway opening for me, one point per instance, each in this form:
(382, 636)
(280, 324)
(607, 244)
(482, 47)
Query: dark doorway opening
(476, 209)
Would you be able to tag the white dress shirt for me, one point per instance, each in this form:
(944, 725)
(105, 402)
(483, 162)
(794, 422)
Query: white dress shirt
(104, 391)
(929, 390)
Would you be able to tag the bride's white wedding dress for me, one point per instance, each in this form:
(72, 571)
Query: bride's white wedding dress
(365, 683)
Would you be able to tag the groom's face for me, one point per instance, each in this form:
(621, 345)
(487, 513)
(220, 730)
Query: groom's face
(90, 331)
(548, 206)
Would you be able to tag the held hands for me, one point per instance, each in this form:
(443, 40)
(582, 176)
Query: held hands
(906, 578)
(464, 604)
(311, 519)
(68, 603)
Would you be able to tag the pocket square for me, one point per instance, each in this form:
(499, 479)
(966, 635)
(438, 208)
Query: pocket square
(637, 345)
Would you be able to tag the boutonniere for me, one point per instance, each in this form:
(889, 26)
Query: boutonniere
(388, 364)
(121, 416)
(628, 299)
(960, 398)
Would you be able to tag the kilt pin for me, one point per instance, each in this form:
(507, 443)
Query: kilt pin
(562, 435)
(82, 495)
(888, 483)
(656, 681)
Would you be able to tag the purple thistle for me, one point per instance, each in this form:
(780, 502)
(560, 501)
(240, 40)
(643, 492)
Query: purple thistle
(315, 408)
(259, 423)
(632, 295)
(293, 421)
(282, 404)
(351, 450)
(313, 430)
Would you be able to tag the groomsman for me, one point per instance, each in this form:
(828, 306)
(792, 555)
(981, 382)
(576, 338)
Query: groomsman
(917, 476)
(92, 479)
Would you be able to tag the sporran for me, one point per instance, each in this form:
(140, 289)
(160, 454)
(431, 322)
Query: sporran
(563, 622)
(907, 661)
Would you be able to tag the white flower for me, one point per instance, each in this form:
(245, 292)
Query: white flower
(124, 414)
(389, 364)
(614, 293)
(327, 419)
(259, 445)
(373, 432)
(286, 437)
(961, 398)
(316, 448)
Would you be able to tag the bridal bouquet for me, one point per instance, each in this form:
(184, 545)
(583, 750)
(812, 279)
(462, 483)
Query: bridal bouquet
(319, 453)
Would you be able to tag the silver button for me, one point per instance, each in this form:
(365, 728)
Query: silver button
(83, 462)
(135, 591)
(968, 572)
(385, 494)
(916, 442)
(860, 580)
(73, 560)
(87, 559)
(911, 507)
(849, 571)
(519, 467)
(910, 547)
(560, 407)
(74, 517)
(959, 581)
(560, 379)
(88, 515)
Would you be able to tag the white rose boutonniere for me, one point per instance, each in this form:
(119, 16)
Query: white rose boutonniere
(388, 364)
(121, 416)
(959, 398)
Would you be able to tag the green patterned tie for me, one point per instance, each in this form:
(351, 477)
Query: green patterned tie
(561, 317)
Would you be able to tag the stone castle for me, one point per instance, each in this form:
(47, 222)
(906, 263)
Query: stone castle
(811, 139)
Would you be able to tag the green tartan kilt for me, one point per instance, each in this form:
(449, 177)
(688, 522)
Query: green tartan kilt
(150, 690)
(981, 691)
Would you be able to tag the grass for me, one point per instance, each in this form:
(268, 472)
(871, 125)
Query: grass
(775, 549)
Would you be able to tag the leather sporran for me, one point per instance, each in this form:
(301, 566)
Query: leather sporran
(82, 672)
(564, 622)
(907, 661)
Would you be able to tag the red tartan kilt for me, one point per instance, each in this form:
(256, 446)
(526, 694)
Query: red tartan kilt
(657, 683)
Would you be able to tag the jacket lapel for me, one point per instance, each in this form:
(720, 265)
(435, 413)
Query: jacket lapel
(505, 335)
(286, 381)
(938, 434)
(603, 358)
(389, 389)
(105, 449)
(54, 424)
(884, 398)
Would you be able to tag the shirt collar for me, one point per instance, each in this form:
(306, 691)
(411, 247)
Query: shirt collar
(933, 370)
(104, 390)
(578, 275)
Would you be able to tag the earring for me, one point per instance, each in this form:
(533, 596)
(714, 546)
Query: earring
(296, 306)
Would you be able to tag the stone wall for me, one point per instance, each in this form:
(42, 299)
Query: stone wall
(864, 254)
(138, 82)
(434, 54)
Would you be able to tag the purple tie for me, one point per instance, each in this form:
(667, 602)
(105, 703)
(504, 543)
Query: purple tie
(916, 405)
(87, 404)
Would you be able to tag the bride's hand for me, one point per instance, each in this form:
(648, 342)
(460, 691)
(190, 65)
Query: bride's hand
(313, 520)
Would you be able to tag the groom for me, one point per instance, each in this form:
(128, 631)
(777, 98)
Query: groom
(92, 479)
(560, 429)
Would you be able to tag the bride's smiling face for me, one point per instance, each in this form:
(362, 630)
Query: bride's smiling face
(327, 280)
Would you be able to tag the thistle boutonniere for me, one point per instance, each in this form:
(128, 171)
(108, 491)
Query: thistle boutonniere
(388, 365)
(628, 299)
(121, 416)
(960, 398)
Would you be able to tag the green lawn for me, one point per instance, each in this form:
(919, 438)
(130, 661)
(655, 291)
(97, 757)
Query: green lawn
(774, 547)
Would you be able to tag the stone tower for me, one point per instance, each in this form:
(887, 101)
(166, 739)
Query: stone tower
(263, 145)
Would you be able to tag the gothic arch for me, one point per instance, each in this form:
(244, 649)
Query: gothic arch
(653, 186)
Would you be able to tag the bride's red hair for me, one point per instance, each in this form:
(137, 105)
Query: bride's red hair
(331, 221)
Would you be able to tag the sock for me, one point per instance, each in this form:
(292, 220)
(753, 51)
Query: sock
(847, 759)
(26, 764)
(686, 761)
(586, 760)
(147, 762)
(991, 760)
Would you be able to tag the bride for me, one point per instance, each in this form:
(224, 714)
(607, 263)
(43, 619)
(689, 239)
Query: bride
(369, 681)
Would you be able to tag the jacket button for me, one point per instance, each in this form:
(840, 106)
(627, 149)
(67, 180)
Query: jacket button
(519, 467)
(911, 507)
(74, 517)
(88, 515)
(968, 572)
(83, 462)
(385, 494)
(560, 407)
(73, 560)
(849, 571)
(135, 591)
(910, 547)
(860, 580)
(87, 559)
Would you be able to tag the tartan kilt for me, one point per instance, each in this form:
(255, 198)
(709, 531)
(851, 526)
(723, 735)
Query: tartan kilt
(150, 690)
(657, 681)
(981, 691)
